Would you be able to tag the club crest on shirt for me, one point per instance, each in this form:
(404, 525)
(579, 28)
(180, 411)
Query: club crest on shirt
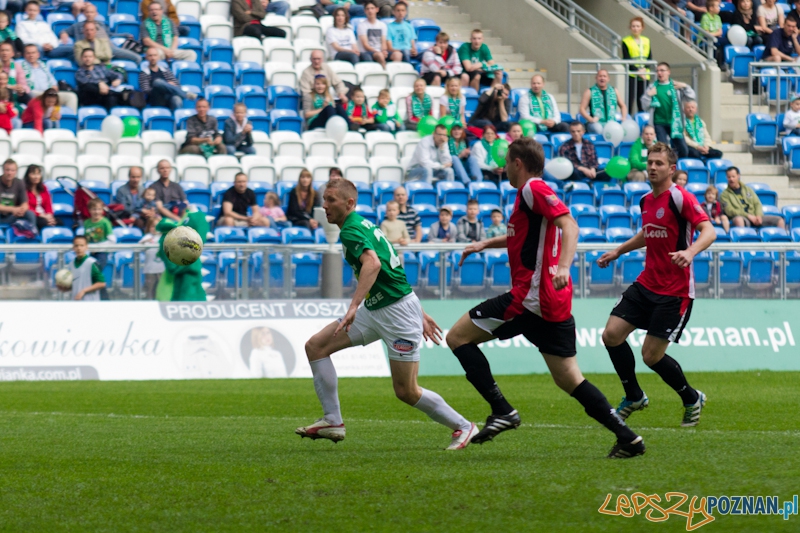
(402, 346)
(660, 212)
(551, 199)
(698, 208)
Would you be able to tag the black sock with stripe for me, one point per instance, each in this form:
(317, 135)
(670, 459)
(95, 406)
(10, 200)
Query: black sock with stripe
(596, 405)
(480, 375)
(672, 374)
(625, 365)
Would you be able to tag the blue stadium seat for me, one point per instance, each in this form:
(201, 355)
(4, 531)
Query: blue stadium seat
(221, 115)
(190, 22)
(580, 195)
(635, 191)
(420, 192)
(485, 213)
(181, 116)
(307, 267)
(472, 100)
(217, 189)
(471, 275)
(129, 7)
(56, 235)
(558, 139)
(769, 81)
(586, 215)
(367, 212)
(220, 96)
(125, 112)
(263, 236)
(229, 235)
(209, 262)
(616, 216)
(412, 268)
(624, 149)
(611, 196)
(283, 97)
(630, 266)
(428, 214)
(259, 119)
(128, 235)
(498, 270)
(642, 119)
(730, 269)
(158, 118)
(485, 192)
(739, 59)
(546, 144)
(102, 8)
(188, 73)
(765, 193)
(218, 73)
(101, 189)
(792, 270)
(197, 193)
(285, 120)
(282, 189)
(698, 190)
(744, 235)
(791, 152)
(252, 96)
(763, 130)
(429, 267)
(509, 193)
(792, 215)
(248, 73)
(91, 117)
(599, 278)
(124, 23)
(452, 192)
(218, 50)
(695, 169)
(758, 267)
(296, 235)
(591, 235)
(65, 212)
(60, 22)
(722, 235)
(69, 120)
(384, 191)
(774, 235)
(717, 168)
(702, 270)
(426, 29)
(618, 234)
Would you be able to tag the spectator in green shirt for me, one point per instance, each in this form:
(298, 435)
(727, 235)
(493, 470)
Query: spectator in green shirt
(712, 23)
(478, 63)
(98, 229)
(638, 154)
(742, 206)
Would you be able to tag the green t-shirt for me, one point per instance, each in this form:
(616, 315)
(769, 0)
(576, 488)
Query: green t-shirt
(663, 113)
(97, 274)
(711, 23)
(97, 231)
(481, 55)
(359, 235)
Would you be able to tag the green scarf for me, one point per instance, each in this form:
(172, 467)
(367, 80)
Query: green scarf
(166, 30)
(26, 68)
(454, 106)
(488, 148)
(12, 74)
(456, 147)
(598, 106)
(536, 110)
(351, 107)
(420, 109)
(384, 114)
(676, 127)
(694, 128)
(319, 101)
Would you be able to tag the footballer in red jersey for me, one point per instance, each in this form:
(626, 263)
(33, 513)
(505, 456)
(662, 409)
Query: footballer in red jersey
(660, 300)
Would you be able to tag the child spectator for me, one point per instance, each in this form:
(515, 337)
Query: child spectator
(7, 111)
(714, 209)
(98, 229)
(514, 132)
(470, 227)
(466, 168)
(87, 278)
(498, 227)
(443, 230)
(153, 265)
(680, 178)
(273, 211)
(394, 228)
(8, 35)
(440, 62)
(387, 118)
(418, 104)
(358, 112)
(482, 156)
(791, 120)
(453, 102)
(712, 23)
(147, 211)
(402, 40)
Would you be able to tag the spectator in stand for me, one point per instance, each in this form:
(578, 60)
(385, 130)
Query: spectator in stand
(169, 11)
(7, 108)
(481, 156)
(494, 108)
(202, 133)
(713, 209)
(160, 85)
(88, 281)
(742, 206)
(514, 132)
(408, 215)
(431, 159)
(712, 23)
(476, 60)
(39, 78)
(452, 102)
(747, 19)
(7, 33)
(497, 228)
(791, 119)
(340, 38)
(637, 46)
(247, 16)
(98, 229)
(131, 197)
(681, 7)
(335, 173)
(353, 9)
(442, 230)
(278, 8)
(582, 155)
(235, 205)
(440, 62)
(31, 30)
(664, 100)
(402, 39)
(171, 200)
(319, 106)
(541, 108)
(782, 44)
(418, 104)
(638, 154)
(66, 48)
(600, 103)
(43, 112)
(387, 117)
(96, 83)
(393, 228)
(39, 199)
(17, 77)
(460, 154)
(470, 227)
(697, 7)
(372, 36)
(302, 201)
(696, 135)
(158, 31)
(100, 47)
(238, 132)
(680, 178)
(273, 212)
(14, 204)
(358, 112)
(319, 66)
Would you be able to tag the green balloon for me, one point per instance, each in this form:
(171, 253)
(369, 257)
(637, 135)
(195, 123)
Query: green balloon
(131, 126)
(447, 121)
(528, 127)
(427, 125)
(618, 168)
(499, 151)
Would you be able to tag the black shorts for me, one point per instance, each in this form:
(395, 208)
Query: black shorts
(499, 316)
(661, 316)
(486, 81)
(429, 76)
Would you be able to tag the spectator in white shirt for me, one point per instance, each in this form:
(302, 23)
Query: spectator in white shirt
(33, 31)
(42, 79)
(432, 158)
(372, 36)
(340, 39)
(540, 107)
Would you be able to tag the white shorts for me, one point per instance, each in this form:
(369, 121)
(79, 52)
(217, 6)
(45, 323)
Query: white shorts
(399, 325)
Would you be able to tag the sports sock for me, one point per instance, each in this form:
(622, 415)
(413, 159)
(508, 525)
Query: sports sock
(596, 405)
(326, 384)
(672, 374)
(480, 375)
(435, 407)
(625, 365)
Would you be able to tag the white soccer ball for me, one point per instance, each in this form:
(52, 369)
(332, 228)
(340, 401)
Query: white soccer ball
(183, 246)
(64, 279)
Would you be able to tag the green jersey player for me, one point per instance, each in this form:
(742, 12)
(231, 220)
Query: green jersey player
(391, 312)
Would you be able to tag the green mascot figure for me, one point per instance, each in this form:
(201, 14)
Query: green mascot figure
(181, 283)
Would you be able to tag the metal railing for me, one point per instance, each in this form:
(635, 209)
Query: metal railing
(581, 74)
(782, 82)
(576, 17)
(678, 25)
(243, 253)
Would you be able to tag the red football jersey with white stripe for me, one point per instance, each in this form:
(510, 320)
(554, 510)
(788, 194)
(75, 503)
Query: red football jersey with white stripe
(534, 248)
(668, 223)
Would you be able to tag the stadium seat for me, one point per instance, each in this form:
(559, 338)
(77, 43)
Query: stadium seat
(452, 192)
(367, 212)
(744, 235)
(618, 234)
(248, 73)
(263, 236)
(730, 270)
(158, 118)
(586, 215)
(695, 169)
(190, 43)
(382, 144)
(420, 192)
(765, 193)
(249, 50)
(55, 235)
(320, 168)
(429, 266)
(59, 142)
(127, 235)
(354, 145)
(285, 120)
(758, 268)
(428, 214)
(591, 235)
(630, 266)
(580, 194)
(613, 195)
(258, 169)
(469, 276)
(739, 59)
(498, 270)
(63, 70)
(763, 130)
(485, 192)
(635, 191)
(217, 26)
(372, 75)
(188, 73)
(485, 213)
(717, 168)
(774, 235)
(91, 117)
(252, 96)
(229, 235)
(218, 73)
(383, 191)
(283, 97)
(698, 190)
(296, 235)
(224, 167)
(616, 216)
(220, 96)
(193, 168)
(599, 278)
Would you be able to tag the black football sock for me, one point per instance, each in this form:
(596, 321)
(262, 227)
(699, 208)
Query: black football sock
(672, 374)
(480, 375)
(625, 365)
(596, 405)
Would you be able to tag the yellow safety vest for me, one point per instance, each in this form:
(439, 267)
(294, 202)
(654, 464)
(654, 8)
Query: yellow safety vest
(635, 51)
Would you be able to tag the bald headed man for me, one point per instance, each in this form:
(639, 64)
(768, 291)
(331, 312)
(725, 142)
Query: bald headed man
(540, 107)
(600, 103)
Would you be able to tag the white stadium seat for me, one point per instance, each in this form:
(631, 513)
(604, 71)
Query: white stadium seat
(408, 140)
(61, 142)
(217, 27)
(279, 51)
(258, 168)
(249, 49)
(401, 74)
(150, 165)
(192, 8)
(193, 167)
(288, 168)
(131, 146)
(354, 145)
(320, 167)
(288, 143)
(28, 141)
(318, 144)
(262, 144)
(278, 21)
(386, 169)
(224, 167)
(281, 73)
(24, 161)
(92, 142)
(57, 165)
(435, 93)
(355, 169)
(346, 71)
(159, 143)
(307, 29)
(382, 143)
(303, 49)
(121, 164)
(372, 74)
(95, 168)
(220, 8)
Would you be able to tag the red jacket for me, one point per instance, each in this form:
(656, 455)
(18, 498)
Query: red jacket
(34, 113)
(5, 118)
(47, 201)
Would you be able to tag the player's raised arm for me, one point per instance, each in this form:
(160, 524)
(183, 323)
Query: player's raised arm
(634, 243)
(569, 243)
(370, 267)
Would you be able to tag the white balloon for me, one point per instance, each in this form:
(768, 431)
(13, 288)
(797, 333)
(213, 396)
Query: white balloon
(613, 132)
(560, 168)
(336, 128)
(737, 35)
(631, 129)
(112, 128)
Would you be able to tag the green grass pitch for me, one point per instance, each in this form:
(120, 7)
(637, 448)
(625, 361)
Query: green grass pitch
(222, 456)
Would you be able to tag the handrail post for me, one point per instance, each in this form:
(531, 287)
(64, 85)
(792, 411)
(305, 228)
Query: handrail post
(716, 274)
(287, 273)
(782, 278)
(442, 275)
(137, 275)
(582, 266)
(245, 275)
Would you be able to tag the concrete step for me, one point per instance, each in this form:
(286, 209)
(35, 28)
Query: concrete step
(512, 60)
(727, 148)
(762, 170)
(739, 158)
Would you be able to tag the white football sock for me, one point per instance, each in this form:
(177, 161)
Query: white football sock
(326, 384)
(435, 407)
